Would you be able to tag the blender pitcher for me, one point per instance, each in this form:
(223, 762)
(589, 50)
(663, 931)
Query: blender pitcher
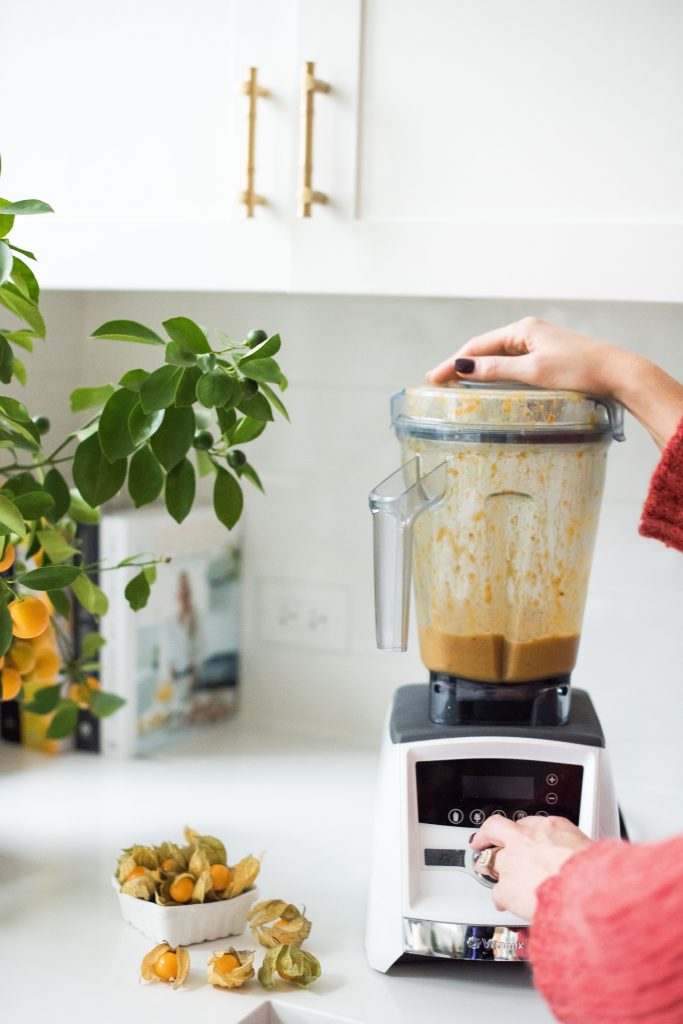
(496, 506)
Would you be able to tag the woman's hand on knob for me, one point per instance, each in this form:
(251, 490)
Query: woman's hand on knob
(530, 851)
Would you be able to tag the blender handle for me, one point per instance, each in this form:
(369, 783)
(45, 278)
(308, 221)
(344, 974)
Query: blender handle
(395, 504)
(615, 416)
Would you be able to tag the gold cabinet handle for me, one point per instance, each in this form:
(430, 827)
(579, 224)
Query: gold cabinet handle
(252, 90)
(309, 86)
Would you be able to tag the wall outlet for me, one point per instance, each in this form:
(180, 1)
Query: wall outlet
(303, 615)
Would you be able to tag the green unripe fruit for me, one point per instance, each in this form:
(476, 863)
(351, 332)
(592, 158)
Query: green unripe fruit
(255, 338)
(42, 423)
(250, 388)
(203, 440)
(236, 459)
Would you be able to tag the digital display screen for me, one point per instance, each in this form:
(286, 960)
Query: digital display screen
(511, 787)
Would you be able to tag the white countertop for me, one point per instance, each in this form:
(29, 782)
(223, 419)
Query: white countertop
(66, 954)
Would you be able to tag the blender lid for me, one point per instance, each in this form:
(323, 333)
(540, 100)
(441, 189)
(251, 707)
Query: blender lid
(504, 412)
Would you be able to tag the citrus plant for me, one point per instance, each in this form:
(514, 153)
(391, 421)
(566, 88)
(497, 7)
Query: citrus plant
(152, 432)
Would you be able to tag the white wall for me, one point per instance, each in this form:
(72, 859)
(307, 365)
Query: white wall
(344, 356)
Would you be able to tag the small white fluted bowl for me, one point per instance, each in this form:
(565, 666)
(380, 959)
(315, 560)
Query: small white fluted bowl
(187, 925)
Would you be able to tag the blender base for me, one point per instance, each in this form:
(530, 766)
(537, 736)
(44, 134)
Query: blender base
(454, 700)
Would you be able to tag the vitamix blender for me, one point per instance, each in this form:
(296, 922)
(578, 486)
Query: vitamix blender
(495, 510)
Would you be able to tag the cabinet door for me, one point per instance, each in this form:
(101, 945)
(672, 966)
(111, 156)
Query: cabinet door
(127, 118)
(526, 148)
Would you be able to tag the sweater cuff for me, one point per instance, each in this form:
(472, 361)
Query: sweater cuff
(662, 516)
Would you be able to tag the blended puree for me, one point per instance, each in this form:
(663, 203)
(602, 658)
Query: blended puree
(489, 657)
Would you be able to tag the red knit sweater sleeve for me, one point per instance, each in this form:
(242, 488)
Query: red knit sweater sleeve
(663, 511)
(606, 938)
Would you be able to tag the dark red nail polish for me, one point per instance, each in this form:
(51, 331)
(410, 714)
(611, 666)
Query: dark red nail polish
(464, 365)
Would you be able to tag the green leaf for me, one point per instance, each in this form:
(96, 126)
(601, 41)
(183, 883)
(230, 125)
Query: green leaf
(141, 424)
(88, 398)
(275, 400)
(6, 261)
(22, 338)
(137, 592)
(10, 517)
(187, 389)
(174, 437)
(97, 479)
(19, 371)
(25, 206)
(180, 490)
(115, 439)
(14, 410)
(127, 330)
(81, 511)
(57, 487)
(227, 418)
(25, 280)
(25, 435)
(104, 704)
(5, 628)
(6, 360)
(56, 547)
(92, 643)
(227, 498)
(90, 595)
(205, 464)
(158, 391)
(12, 299)
(145, 477)
(187, 334)
(34, 504)
(50, 577)
(250, 473)
(134, 379)
(179, 356)
(6, 220)
(64, 722)
(246, 430)
(21, 483)
(216, 388)
(265, 370)
(24, 252)
(61, 603)
(269, 347)
(44, 700)
(258, 407)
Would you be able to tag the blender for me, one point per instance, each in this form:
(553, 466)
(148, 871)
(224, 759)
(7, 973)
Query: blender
(494, 512)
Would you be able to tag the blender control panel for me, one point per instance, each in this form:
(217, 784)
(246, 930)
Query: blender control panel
(466, 792)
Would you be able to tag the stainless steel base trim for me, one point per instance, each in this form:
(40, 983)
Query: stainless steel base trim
(465, 941)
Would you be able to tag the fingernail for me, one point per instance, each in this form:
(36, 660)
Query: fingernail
(471, 838)
(464, 365)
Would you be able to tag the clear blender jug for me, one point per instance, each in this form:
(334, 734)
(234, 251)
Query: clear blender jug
(496, 506)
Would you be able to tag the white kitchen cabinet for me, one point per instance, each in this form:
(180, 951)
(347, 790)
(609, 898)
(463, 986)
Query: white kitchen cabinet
(512, 149)
(127, 118)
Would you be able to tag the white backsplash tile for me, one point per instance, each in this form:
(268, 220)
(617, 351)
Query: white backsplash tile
(344, 356)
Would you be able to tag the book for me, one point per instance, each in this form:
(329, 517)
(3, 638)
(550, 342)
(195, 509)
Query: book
(175, 661)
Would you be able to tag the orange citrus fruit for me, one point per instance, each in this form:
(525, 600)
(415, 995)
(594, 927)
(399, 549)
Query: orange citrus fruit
(30, 617)
(22, 656)
(181, 890)
(137, 872)
(8, 558)
(166, 967)
(47, 665)
(221, 876)
(226, 963)
(11, 683)
(2, 661)
(38, 557)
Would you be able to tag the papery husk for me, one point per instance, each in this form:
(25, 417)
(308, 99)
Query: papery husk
(170, 851)
(147, 971)
(244, 874)
(213, 847)
(235, 978)
(143, 887)
(134, 857)
(292, 928)
(202, 887)
(199, 862)
(291, 964)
